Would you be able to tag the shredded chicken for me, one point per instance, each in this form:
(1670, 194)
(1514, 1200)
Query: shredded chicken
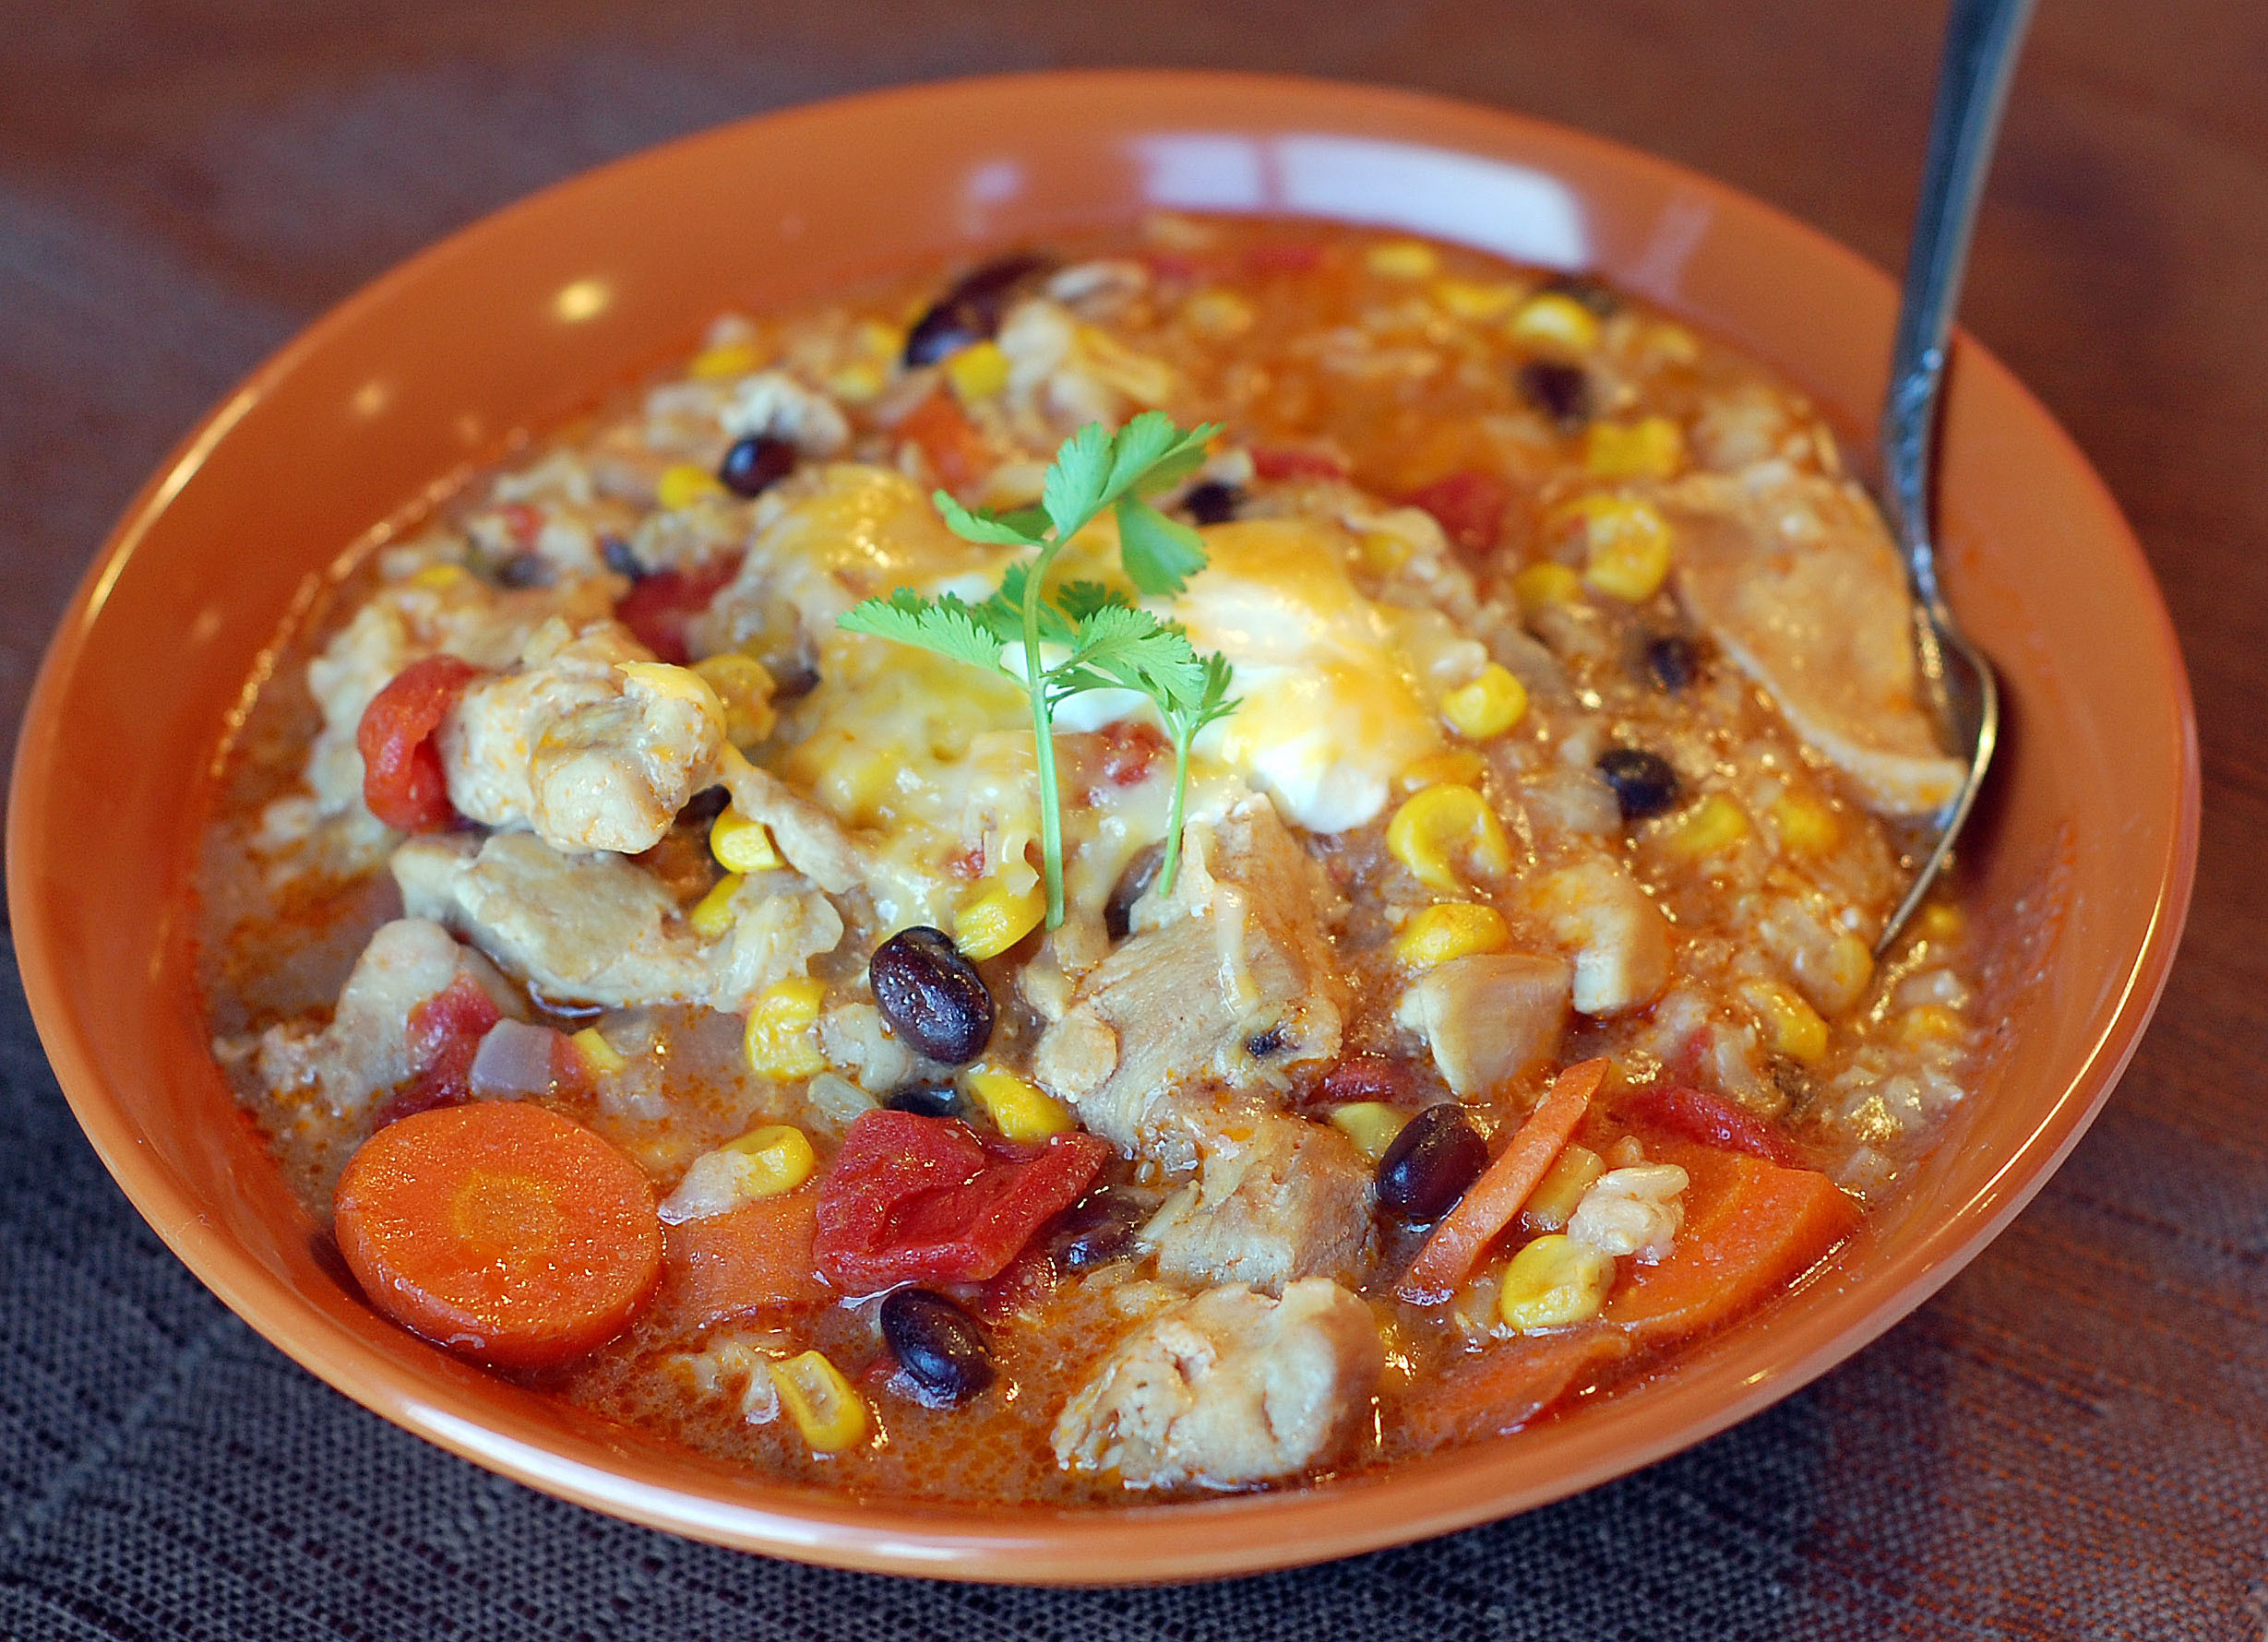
(1228, 1389)
(1490, 1018)
(1796, 580)
(1274, 1200)
(1617, 938)
(589, 742)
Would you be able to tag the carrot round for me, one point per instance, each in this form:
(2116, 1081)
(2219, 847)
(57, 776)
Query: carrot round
(1467, 1229)
(501, 1231)
(1750, 1226)
(1506, 1386)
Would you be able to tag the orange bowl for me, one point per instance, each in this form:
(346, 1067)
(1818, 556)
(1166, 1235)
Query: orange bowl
(2080, 867)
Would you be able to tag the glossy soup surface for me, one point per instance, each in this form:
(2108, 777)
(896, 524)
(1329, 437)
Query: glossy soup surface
(1472, 530)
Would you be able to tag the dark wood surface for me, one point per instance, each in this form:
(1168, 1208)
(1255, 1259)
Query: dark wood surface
(183, 185)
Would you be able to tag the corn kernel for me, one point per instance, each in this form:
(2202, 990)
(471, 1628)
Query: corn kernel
(1216, 313)
(712, 914)
(601, 1056)
(1940, 921)
(1806, 826)
(726, 359)
(1460, 767)
(1927, 1022)
(1370, 1125)
(1402, 259)
(1018, 1108)
(1651, 448)
(1556, 321)
(1469, 299)
(782, 1037)
(1487, 707)
(997, 919)
(1794, 1027)
(1383, 551)
(682, 483)
(1446, 832)
(1452, 928)
(977, 372)
(769, 1161)
(826, 1407)
(744, 684)
(856, 384)
(1553, 1281)
(878, 341)
(742, 844)
(1711, 826)
(1573, 1172)
(1628, 543)
(437, 576)
(1546, 583)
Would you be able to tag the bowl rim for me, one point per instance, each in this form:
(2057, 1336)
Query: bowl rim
(1119, 1544)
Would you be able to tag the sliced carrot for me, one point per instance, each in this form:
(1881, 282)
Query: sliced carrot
(746, 1259)
(502, 1230)
(1750, 1226)
(1506, 1386)
(1467, 1231)
(956, 447)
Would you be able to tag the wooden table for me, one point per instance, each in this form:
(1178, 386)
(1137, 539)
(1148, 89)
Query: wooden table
(2073, 1439)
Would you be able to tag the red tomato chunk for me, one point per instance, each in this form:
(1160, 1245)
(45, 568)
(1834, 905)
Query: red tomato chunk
(658, 608)
(402, 780)
(445, 1033)
(1469, 506)
(927, 1199)
(1712, 1120)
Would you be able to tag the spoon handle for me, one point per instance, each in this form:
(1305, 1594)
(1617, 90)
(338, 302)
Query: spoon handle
(1982, 38)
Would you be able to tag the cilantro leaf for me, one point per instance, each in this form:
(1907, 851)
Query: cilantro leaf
(975, 526)
(1152, 453)
(1160, 553)
(1073, 491)
(944, 626)
(1079, 599)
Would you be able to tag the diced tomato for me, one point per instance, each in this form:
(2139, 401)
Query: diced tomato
(522, 523)
(443, 1035)
(926, 1199)
(1023, 1286)
(658, 608)
(1131, 748)
(1292, 461)
(958, 452)
(1366, 1077)
(1469, 506)
(1172, 265)
(403, 782)
(1710, 1119)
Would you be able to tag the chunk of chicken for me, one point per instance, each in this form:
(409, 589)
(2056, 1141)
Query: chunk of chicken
(1489, 1019)
(1795, 578)
(597, 929)
(1274, 1200)
(1228, 1389)
(364, 1052)
(589, 742)
(1618, 937)
(407, 621)
(772, 404)
(1231, 981)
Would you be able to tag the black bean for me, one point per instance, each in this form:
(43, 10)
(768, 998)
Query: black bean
(1674, 660)
(1133, 884)
(1104, 1226)
(754, 464)
(1589, 290)
(1210, 502)
(1261, 1044)
(1561, 391)
(971, 308)
(932, 994)
(794, 678)
(923, 1100)
(941, 1349)
(1432, 1162)
(620, 559)
(524, 570)
(704, 806)
(1644, 782)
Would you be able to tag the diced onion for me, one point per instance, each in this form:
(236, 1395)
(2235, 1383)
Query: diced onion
(514, 1061)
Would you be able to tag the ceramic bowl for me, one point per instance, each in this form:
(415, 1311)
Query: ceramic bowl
(2079, 870)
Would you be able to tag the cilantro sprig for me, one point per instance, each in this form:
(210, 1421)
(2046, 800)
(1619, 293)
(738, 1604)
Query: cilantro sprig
(1101, 638)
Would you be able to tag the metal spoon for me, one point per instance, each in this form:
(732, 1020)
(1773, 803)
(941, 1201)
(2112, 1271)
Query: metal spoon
(1982, 40)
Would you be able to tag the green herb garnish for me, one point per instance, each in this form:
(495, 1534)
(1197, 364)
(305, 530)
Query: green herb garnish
(1105, 641)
